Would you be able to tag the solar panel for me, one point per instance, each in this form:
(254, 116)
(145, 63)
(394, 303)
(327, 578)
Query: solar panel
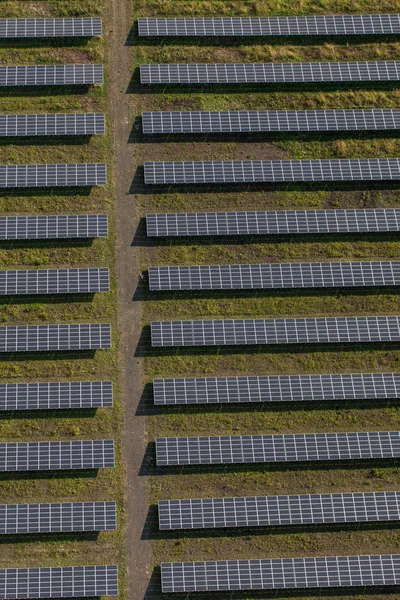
(275, 388)
(311, 72)
(55, 456)
(32, 176)
(274, 223)
(55, 395)
(60, 517)
(51, 124)
(274, 276)
(50, 28)
(42, 338)
(54, 281)
(318, 330)
(53, 227)
(59, 582)
(256, 511)
(270, 121)
(319, 572)
(271, 171)
(277, 448)
(51, 75)
(271, 26)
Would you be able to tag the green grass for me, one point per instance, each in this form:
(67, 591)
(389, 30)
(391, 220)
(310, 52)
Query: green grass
(53, 425)
(361, 416)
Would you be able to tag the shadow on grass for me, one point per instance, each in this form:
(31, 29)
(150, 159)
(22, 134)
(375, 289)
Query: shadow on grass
(46, 299)
(45, 191)
(49, 355)
(32, 538)
(49, 413)
(141, 238)
(44, 90)
(50, 140)
(151, 529)
(45, 42)
(149, 466)
(47, 475)
(46, 243)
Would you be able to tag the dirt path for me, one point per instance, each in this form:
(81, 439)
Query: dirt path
(117, 26)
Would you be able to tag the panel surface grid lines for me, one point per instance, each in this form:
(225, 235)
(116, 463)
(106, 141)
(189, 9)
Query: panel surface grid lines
(53, 227)
(25, 125)
(50, 28)
(367, 220)
(55, 281)
(277, 388)
(270, 121)
(42, 338)
(277, 448)
(33, 176)
(60, 517)
(313, 572)
(274, 276)
(318, 330)
(256, 511)
(272, 171)
(271, 26)
(312, 72)
(56, 456)
(34, 75)
(59, 582)
(61, 395)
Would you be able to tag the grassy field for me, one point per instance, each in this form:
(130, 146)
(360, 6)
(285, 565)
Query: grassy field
(59, 425)
(358, 416)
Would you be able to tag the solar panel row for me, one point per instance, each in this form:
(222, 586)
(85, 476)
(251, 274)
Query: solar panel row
(274, 388)
(277, 448)
(52, 28)
(271, 26)
(273, 222)
(271, 171)
(55, 395)
(59, 582)
(53, 227)
(270, 121)
(275, 331)
(274, 276)
(56, 456)
(329, 571)
(51, 75)
(84, 174)
(51, 124)
(208, 513)
(43, 338)
(313, 72)
(57, 517)
(54, 281)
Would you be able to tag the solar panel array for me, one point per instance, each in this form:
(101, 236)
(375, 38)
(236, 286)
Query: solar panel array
(274, 276)
(32, 176)
(319, 572)
(59, 582)
(54, 281)
(255, 511)
(274, 388)
(51, 124)
(275, 331)
(55, 456)
(51, 75)
(271, 171)
(53, 227)
(50, 28)
(274, 222)
(312, 72)
(42, 338)
(270, 121)
(272, 26)
(277, 448)
(55, 395)
(60, 517)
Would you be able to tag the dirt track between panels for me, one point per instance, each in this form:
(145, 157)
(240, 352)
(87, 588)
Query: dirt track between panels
(118, 26)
